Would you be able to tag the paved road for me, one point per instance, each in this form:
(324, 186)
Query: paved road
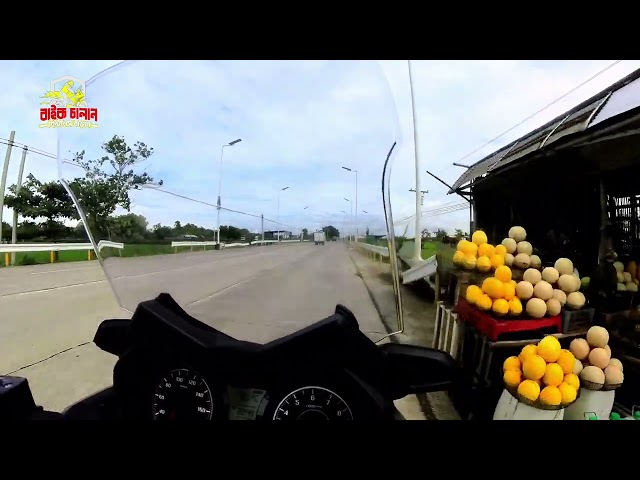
(257, 294)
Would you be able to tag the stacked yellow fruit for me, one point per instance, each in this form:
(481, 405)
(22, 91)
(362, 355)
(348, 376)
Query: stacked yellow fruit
(479, 254)
(497, 293)
(542, 374)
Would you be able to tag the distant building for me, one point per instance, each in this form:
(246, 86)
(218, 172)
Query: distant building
(273, 235)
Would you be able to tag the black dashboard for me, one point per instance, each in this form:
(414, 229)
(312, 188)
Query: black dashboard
(172, 367)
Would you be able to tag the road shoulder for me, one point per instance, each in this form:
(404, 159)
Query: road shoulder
(419, 317)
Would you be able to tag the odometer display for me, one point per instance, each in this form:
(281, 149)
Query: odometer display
(313, 404)
(182, 396)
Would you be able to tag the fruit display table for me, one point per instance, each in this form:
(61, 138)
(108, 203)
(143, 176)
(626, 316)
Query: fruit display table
(490, 332)
(482, 337)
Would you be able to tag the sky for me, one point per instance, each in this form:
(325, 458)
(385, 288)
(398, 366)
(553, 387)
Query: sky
(300, 122)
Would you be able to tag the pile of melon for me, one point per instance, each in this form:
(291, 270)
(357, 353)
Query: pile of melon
(542, 375)
(597, 370)
(629, 278)
(478, 254)
(540, 291)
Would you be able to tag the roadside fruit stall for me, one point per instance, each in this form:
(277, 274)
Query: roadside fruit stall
(509, 299)
(572, 247)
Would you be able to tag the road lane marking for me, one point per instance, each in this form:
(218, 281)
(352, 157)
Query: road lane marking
(62, 270)
(49, 289)
(208, 297)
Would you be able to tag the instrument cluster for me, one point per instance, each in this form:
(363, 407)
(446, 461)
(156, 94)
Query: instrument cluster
(185, 395)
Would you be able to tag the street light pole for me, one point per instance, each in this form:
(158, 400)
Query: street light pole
(304, 218)
(356, 220)
(351, 216)
(278, 215)
(417, 253)
(230, 144)
(344, 221)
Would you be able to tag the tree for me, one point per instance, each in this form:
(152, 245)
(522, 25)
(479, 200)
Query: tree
(426, 235)
(367, 234)
(305, 232)
(37, 200)
(440, 234)
(108, 180)
(331, 232)
(460, 234)
(128, 227)
(161, 232)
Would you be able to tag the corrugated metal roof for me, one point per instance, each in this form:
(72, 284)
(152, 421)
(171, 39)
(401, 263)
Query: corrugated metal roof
(616, 99)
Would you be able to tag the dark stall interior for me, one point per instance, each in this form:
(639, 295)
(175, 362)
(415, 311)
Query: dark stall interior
(556, 197)
(557, 203)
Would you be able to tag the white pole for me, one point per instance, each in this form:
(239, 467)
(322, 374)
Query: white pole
(3, 183)
(417, 253)
(356, 205)
(278, 218)
(220, 191)
(14, 226)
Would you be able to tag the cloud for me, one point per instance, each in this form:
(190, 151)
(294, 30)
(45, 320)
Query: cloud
(299, 122)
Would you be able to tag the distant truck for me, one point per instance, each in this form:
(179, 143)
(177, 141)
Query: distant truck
(319, 238)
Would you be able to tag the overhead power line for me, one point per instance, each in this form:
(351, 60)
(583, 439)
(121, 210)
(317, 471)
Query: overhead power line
(537, 112)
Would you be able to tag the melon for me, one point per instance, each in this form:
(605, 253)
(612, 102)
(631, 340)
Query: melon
(621, 287)
(510, 244)
(620, 277)
(598, 357)
(535, 261)
(518, 233)
(543, 290)
(593, 375)
(524, 290)
(553, 307)
(580, 348)
(508, 260)
(560, 296)
(479, 237)
(616, 363)
(522, 260)
(469, 262)
(550, 274)
(575, 300)
(613, 375)
(564, 266)
(483, 264)
(458, 257)
(524, 247)
(532, 276)
(536, 308)
(631, 287)
(619, 267)
(568, 283)
(577, 367)
(598, 337)
(626, 276)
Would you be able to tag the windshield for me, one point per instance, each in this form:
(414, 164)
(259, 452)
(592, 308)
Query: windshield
(238, 187)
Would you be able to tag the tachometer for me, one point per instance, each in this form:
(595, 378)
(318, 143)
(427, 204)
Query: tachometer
(182, 395)
(313, 404)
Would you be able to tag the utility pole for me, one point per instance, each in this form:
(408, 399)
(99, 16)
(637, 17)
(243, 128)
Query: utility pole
(14, 226)
(417, 253)
(3, 182)
(262, 225)
(423, 192)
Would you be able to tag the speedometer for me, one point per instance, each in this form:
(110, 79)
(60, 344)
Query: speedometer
(182, 396)
(313, 404)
